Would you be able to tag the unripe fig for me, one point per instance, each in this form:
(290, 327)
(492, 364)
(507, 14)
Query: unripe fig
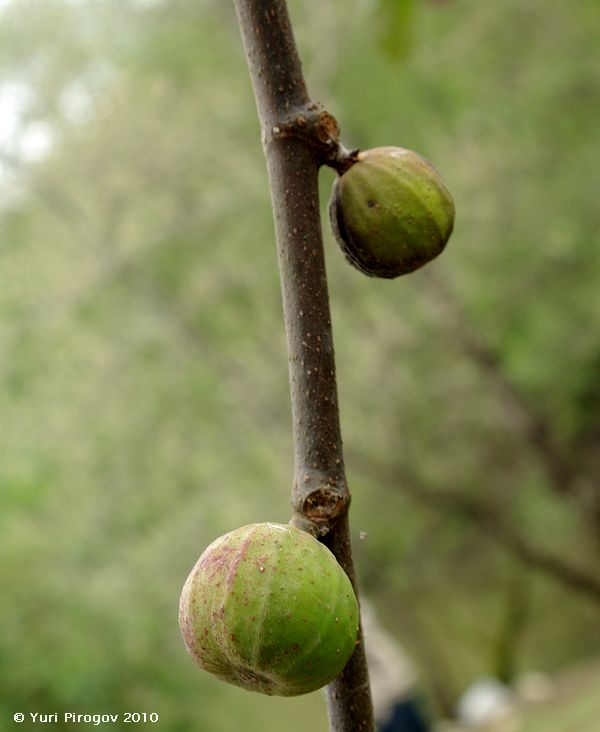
(390, 212)
(267, 607)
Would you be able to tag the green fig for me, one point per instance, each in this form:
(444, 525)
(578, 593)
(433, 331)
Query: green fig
(267, 607)
(390, 212)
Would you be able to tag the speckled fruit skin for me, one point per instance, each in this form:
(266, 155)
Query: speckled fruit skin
(267, 607)
(390, 212)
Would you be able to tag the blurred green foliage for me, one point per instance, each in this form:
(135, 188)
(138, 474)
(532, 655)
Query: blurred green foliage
(143, 380)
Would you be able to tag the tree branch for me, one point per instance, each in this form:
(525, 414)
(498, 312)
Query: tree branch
(569, 477)
(490, 521)
(533, 425)
(298, 136)
(494, 525)
(563, 464)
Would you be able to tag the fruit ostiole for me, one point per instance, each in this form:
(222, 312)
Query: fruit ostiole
(389, 210)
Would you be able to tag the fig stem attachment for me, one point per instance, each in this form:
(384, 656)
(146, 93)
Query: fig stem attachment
(343, 159)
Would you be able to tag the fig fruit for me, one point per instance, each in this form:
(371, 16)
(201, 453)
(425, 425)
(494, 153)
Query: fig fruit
(390, 212)
(267, 607)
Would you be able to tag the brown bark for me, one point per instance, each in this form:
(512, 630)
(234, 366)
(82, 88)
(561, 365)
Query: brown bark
(298, 137)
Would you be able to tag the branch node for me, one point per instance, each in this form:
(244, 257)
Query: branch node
(317, 127)
(318, 503)
(324, 504)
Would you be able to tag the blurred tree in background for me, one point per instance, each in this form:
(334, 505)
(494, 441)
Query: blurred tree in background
(143, 382)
